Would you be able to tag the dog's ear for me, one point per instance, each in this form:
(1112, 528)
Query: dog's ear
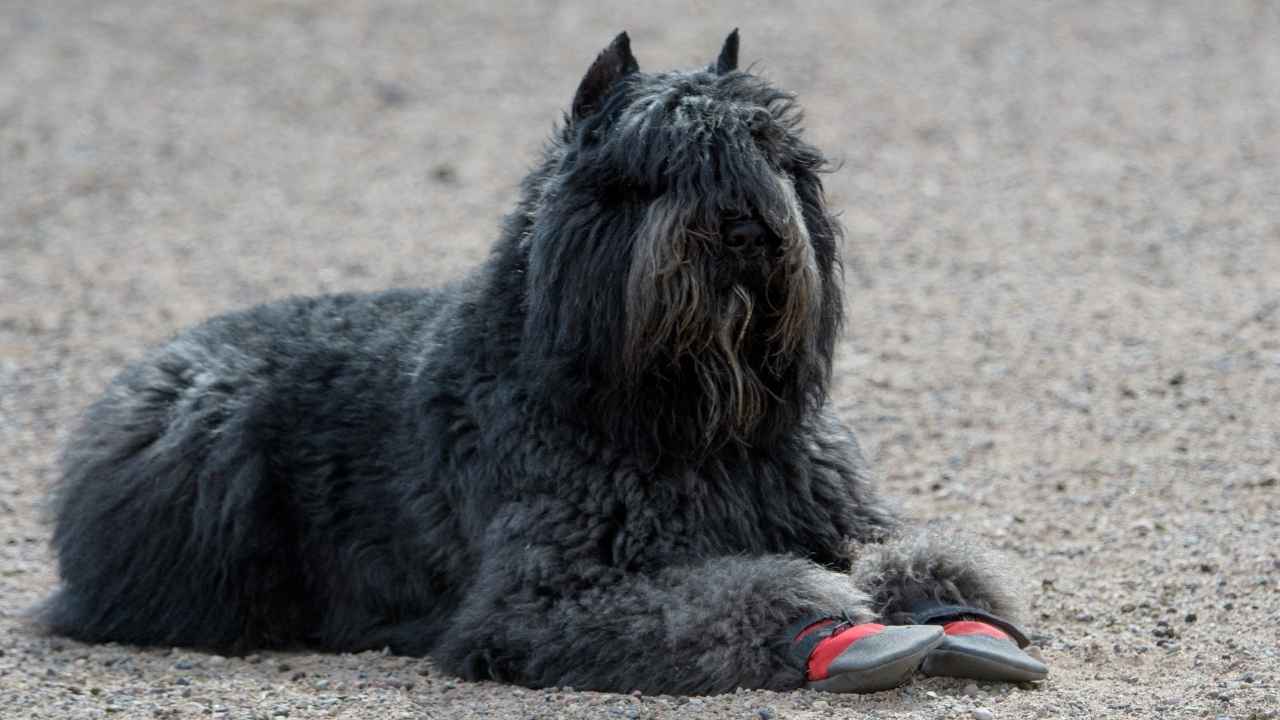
(614, 63)
(728, 60)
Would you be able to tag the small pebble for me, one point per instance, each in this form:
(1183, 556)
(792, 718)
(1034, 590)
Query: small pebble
(444, 173)
(971, 690)
(182, 665)
(983, 714)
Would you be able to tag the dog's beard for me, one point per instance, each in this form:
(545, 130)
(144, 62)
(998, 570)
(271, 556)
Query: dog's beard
(733, 336)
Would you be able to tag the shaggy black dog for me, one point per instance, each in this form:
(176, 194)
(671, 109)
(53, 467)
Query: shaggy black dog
(602, 460)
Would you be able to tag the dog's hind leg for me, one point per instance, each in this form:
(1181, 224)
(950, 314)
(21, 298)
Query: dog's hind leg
(169, 528)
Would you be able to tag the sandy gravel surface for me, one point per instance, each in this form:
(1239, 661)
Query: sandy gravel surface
(1063, 271)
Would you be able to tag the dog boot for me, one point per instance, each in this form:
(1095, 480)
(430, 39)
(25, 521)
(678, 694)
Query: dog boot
(841, 656)
(977, 645)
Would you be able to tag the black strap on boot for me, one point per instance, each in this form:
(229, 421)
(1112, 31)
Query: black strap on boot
(933, 612)
(802, 647)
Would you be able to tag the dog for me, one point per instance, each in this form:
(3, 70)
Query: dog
(604, 459)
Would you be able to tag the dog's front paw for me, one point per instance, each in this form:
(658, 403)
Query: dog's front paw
(862, 658)
(980, 651)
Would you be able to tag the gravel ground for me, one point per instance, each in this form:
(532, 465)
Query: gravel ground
(1063, 271)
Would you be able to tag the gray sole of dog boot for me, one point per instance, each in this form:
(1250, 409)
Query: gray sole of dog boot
(880, 662)
(983, 658)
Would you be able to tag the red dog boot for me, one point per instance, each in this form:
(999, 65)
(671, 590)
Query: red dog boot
(978, 645)
(840, 656)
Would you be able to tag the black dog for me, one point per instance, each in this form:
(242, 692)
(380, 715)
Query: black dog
(602, 460)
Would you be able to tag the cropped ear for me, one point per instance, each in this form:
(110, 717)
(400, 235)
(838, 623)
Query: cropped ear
(728, 60)
(614, 63)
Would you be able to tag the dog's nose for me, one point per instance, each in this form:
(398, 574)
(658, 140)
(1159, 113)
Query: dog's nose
(744, 235)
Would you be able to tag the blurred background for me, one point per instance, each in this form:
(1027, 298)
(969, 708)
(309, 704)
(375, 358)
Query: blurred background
(1062, 265)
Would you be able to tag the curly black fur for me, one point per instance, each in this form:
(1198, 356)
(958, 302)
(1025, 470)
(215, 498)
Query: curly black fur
(602, 460)
(933, 566)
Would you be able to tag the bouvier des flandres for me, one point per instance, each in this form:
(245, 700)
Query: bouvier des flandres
(602, 460)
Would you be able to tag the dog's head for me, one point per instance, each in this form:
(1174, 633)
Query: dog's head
(681, 261)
